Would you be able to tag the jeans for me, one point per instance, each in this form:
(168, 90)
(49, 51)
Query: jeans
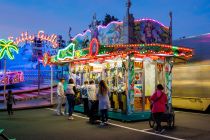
(60, 102)
(86, 106)
(9, 109)
(66, 106)
(104, 115)
(157, 118)
(71, 103)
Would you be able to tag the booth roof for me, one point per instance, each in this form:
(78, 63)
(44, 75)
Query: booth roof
(154, 51)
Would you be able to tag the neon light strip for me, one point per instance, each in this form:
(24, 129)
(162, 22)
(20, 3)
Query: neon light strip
(144, 19)
(72, 45)
(119, 22)
(6, 48)
(142, 45)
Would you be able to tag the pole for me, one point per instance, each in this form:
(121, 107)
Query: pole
(170, 65)
(38, 77)
(51, 94)
(5, 62)
(170, 31)
(62, 71)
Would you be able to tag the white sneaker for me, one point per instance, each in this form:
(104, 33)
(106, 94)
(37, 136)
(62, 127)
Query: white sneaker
(70, 118)
(106, 123)
(58, 114)
(102, 124)
(66, 114)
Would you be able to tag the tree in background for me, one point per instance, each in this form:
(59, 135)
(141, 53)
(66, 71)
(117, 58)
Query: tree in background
(107, 19)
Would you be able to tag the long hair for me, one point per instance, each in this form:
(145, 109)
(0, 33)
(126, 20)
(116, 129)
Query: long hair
(103, 88)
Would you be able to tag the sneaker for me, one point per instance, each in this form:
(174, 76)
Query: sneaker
(58, 114)
(162, 131)
(70, 118)
(157, 132)
(106, 123)
(66, 114)
(102, 124)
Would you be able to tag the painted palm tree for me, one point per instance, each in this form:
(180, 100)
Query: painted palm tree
(7, 47)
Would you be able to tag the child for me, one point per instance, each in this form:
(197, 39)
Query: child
(10, 100)
(104, 103)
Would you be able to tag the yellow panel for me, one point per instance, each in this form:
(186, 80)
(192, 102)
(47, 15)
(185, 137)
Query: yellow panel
(191, 103)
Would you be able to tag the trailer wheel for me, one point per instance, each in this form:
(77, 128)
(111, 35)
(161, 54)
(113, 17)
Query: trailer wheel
(171, 121)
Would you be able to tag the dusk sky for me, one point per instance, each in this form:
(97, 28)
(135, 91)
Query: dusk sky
(190, 17)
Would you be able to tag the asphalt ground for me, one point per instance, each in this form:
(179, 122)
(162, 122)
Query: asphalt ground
(43, 124)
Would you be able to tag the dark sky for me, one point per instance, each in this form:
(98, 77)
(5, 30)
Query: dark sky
(191, 17)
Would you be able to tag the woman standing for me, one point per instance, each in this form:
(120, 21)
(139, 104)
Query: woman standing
(104, 103)
(70, 95)
(159, 100)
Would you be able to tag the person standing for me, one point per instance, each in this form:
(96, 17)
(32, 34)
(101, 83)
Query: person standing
(104, 103)
(70, 94)
(93, 102)
(10, 100)
(84, 93)
(60, 96)
(159, 101)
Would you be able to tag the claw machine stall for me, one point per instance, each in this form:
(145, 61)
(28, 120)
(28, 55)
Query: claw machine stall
(130, 75)
(131, 59)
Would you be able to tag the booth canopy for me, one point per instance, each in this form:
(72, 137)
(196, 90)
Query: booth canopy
(151, 39)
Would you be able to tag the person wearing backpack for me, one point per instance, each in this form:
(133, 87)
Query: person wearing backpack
(84, 93)
(159, 100)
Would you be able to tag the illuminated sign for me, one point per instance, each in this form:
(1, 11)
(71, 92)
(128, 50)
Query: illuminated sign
(94, 46)
(7, 47)
(46, 59)
(96, 68)
(138, 65)
(67, 52)
(41, 35)
(78, 53)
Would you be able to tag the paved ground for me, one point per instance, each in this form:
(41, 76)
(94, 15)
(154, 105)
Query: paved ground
(42, 124)
(30, 104)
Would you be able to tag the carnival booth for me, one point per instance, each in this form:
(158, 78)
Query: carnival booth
(132, 56)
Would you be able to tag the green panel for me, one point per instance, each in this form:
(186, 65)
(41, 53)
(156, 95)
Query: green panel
(130, 99)
(136, 116)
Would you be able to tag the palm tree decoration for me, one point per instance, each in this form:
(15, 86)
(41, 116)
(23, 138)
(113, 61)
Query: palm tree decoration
(7, 47)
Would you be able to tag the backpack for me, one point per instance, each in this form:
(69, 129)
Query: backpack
(84, 92)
